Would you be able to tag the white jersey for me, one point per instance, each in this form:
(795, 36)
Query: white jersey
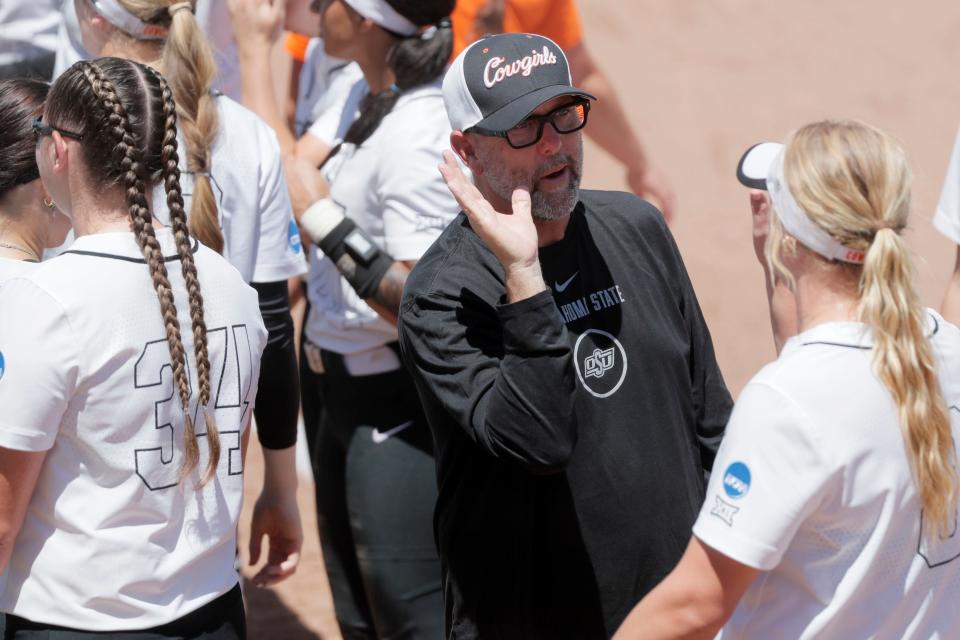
(812, 485)
(391, 188)
(28, 28)
(110, 540)
(10, 267)
(324, 88)
(947, 217)
(246, 171)
(213, 17)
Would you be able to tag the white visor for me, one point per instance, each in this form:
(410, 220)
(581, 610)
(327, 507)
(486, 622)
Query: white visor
(761, 167)
(383, 15)
(117, 15)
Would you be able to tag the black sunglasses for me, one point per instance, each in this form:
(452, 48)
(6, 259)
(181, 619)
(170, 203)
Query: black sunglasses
(41, 129)
(566, 118)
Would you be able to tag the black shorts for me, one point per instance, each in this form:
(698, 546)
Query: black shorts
(222, 619)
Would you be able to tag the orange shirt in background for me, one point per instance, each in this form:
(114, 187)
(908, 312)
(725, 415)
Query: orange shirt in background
(296, 45)
(558, 20)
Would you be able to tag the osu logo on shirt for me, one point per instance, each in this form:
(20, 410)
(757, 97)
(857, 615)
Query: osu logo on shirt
(596, 365)
(601, 362)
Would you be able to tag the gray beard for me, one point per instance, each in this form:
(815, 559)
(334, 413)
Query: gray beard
(552, 205)
(557, 204)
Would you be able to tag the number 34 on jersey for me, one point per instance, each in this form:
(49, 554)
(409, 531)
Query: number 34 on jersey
(231, 367)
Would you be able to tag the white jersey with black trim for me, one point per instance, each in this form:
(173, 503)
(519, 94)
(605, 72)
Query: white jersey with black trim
(947, 216)
(110, 541)
(260, 236)
(391, 188)
(10, 267)
(812, 485)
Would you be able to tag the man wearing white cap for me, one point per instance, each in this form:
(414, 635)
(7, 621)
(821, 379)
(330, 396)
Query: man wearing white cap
(563, 363)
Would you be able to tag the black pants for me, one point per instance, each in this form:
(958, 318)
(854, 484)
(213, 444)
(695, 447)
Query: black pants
(376, 490)
(222, 619)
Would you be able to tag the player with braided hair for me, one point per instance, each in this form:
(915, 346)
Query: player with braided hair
(110, 406)
(234, 200)
(132, 165)
(181, 234)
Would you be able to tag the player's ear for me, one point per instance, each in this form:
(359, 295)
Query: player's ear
(60, 152)
(462, 145)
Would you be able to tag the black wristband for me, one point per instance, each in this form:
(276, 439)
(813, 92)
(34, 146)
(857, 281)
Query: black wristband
(357, 257)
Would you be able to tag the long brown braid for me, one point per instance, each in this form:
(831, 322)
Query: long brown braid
(170, 160)
(128, 154)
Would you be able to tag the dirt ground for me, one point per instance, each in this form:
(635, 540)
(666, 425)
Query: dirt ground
(701, 81)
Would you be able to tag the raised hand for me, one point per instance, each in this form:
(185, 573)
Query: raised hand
(512, 237)
(257, 24)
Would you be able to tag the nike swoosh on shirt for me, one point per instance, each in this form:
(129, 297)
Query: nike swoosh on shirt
(563, 287)
(382, 436)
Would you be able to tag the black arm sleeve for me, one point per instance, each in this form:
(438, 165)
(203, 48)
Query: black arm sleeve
(505, 376)
(278, 396)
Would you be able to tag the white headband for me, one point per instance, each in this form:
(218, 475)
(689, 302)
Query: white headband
(383, 15)
(117, 15)
(798, 224)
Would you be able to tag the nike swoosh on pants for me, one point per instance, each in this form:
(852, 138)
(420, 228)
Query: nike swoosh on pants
(382, 436)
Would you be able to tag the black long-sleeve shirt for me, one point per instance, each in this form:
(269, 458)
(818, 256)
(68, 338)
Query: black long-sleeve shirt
(572, 429)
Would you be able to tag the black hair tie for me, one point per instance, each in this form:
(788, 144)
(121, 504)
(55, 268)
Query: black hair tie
(444, 23)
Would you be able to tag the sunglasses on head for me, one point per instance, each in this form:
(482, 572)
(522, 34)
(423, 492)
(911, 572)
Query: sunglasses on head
(566, 118)
(41, 129)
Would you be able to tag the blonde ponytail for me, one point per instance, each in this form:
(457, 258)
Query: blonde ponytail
(853, 181)
(904, 361)
(188, 65)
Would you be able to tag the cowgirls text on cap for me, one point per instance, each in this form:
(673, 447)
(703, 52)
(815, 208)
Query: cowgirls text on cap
(499, 80)
(496, 71)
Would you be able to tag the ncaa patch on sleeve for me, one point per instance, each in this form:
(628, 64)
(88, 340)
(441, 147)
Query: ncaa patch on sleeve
(2, 365)
(293, 236)
(736, 480)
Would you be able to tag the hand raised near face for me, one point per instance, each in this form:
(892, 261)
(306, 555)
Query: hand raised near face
(511, 236)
